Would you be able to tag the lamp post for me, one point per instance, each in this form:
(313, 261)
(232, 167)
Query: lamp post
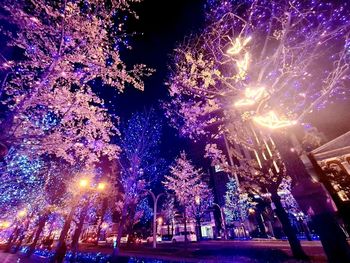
(223, 221)
(155, 203)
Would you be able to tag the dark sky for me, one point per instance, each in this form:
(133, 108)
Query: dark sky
(163, 24)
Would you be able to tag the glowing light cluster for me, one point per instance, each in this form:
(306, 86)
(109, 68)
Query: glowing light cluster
(238, 45)
(272, 121)
(252, 96)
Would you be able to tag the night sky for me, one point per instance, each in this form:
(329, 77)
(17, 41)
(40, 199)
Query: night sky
(161, 25)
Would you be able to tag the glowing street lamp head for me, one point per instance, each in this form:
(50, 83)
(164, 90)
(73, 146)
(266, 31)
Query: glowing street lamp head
(252, 96)
(251, 210)
(5, 224)
(83, 183)
(101, 186)
(197, 199)
(271, 121)
(22, 213)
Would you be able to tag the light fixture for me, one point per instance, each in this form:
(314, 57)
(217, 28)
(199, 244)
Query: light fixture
(251, 96)
(271, 120)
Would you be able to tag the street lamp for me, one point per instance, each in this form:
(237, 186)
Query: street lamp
(4, 224)
(155, 203)
(101, 186)
(83, 183)
(160, 221)
(22, 213)
(272, 121)
(197, 199)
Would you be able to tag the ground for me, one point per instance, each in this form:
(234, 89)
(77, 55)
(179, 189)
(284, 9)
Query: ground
(256, 251)
(18, 258)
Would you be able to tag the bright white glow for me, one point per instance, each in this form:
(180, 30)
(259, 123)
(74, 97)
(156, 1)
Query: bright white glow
(242, 65)
(197, 199)
(104, 225)
(257, 158)
(22, 213)
(160, 220)
(238, 45)
(270, 120)
(83, 183)
(5, 224)
(101, 186)
(252, 96)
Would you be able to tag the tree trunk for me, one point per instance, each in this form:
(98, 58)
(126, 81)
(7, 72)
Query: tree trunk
(185, 226)
(332, 238)
(22, 232)
(172, 227)
(121, 225)
(41, 225)
(11, 239)
(294, 242)
(199, 232)
(20, 240)
(64, 233)
(305, 229)
(77, 232)
(168, 229)
(103, 212)
(261, 224)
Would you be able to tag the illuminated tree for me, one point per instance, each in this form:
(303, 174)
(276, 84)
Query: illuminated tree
(191, 192)
(140, 163)
(259, 62)
(237, 203)
(290, 57)
(168, 212)
(144, 211)
(63, 46)
(40, 194)
(20, 180)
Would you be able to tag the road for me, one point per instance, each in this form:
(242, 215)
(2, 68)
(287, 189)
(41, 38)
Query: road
(263, 250)
(204, 251)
